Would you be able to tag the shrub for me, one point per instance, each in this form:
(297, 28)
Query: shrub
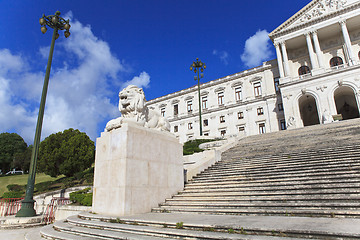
(12, 194)
(16, 188)
(192, 146)
(82, 197)
(179, 225)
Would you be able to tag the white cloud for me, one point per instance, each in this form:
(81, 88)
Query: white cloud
(79, 90)
(223, 55)
(143, 81)
(257, 49)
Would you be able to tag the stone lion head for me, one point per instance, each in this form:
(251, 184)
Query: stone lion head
(131, 100)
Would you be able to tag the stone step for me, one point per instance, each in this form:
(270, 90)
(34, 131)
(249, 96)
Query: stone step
(279, 161)
(135, 230)
(274, 193)
(96, 232)
(242, 179)
(288, 188)
(306, 212)
(311, 175)
(265, 205)
(48, 232)
(341, 150)
(261, 199)
(231, 184)
(279, 172)
(304, 169)
(255, 227)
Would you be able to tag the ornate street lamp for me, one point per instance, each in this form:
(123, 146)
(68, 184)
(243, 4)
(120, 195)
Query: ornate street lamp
(198, 67)
(57, 23)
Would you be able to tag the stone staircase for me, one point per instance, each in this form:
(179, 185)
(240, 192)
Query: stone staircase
(294, 184)
(313, 171)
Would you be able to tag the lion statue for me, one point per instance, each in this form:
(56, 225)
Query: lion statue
(133, 109)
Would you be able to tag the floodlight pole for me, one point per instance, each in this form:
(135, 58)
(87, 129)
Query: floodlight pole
(197, 67)
(57, 23)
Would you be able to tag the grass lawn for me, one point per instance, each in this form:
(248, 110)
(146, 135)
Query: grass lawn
(22, 180)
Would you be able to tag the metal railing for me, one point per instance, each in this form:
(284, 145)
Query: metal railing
(9, 206)
(49, 215)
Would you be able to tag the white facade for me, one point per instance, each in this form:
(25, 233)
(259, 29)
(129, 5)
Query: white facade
(317, 66)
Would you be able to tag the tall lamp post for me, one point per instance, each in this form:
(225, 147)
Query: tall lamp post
(198, 67)
(57, 23)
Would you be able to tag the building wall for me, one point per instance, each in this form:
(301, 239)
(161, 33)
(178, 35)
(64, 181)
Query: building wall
(237, 111)
(311, 38)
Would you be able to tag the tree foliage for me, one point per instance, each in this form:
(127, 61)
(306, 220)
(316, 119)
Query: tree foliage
(67, 153)
(10, 144)
(22, 160)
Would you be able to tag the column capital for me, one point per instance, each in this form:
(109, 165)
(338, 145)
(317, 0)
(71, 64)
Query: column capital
(307, 34)
(314, 32)
(342, 22)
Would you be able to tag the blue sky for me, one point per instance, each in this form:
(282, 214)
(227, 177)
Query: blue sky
(113, 43)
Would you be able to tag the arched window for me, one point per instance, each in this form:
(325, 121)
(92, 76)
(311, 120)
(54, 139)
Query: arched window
(336, 61)
(359, 54)
(303, 70)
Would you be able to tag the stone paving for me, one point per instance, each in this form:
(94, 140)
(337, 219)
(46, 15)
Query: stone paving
(15, 234)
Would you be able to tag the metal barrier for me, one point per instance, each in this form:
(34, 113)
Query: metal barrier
(9, 206)
(49, 215)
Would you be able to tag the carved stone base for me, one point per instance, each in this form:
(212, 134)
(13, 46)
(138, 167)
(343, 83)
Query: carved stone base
(136, 168)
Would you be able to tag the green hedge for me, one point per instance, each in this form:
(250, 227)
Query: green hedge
(12, 194)
(83, 197)
(192, 146)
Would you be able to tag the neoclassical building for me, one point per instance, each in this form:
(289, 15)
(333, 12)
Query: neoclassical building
(315, 78)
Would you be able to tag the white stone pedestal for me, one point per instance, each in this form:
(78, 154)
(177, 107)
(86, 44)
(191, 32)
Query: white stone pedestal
(136, 168)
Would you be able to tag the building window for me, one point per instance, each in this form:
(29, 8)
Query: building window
(222, 119)
(282, 124)
(276, 84)
(303, 70)
(223, 133)
(260, 111)
(262, 128)
(206, 122)
(280, 107)
(240, 115)
(336, 61)
(176, 110)
(163, 112)
(257, 89)
(241, 129)
(176, 128)
(221, 98)
(189, 106)
(206, 134)
(204, 102)
(238, 94)
(190, 126)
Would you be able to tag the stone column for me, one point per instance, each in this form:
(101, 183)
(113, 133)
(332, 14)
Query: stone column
(346, 36)
(286, 60)
(311, 51)
(279, 60)
(317, 49)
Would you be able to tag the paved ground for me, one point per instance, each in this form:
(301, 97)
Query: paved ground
(15, 234)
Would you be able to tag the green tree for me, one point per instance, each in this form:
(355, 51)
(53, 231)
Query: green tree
(10, 144)
(67, 153)
(22, 160)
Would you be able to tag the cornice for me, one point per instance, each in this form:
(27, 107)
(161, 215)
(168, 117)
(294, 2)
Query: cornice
(278, 32)
(316, 77)
(215, 82)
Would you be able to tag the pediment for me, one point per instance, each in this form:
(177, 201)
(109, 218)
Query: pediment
(313, 11)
